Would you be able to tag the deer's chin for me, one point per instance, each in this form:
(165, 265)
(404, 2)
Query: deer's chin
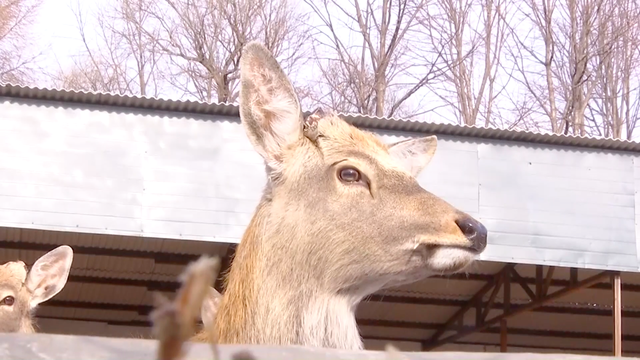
(449, 259)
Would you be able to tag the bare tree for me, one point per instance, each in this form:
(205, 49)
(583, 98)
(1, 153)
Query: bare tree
(86, 75)
(472, 55)
(142, 63)
(117, 58)
(558, 60)
(615, 108)
(577, 65)
(202, 39)
(383, 68)
(15, 18)
(532, 53)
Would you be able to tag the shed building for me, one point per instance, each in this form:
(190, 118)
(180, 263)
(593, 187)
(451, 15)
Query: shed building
(139, 187)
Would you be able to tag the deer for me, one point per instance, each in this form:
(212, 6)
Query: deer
(22, 290)
(341, 216)
(172, 321)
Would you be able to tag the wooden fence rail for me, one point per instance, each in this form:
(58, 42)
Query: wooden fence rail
(72, 347)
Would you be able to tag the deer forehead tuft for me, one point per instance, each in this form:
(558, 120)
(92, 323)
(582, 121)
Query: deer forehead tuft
(345, 136)
(13, 274)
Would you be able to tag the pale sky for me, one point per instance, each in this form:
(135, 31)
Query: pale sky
(56, 30)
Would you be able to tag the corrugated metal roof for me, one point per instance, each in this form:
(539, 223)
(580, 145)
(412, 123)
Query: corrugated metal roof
(116, 268)
(227, 109)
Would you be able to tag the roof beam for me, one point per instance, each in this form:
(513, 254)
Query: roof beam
(171, 286)
(157, 257)
(605, 285)
(475, 299)
(520, 309)
(523, 284)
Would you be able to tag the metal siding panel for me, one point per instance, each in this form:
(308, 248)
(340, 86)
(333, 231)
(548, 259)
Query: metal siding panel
(194, 231)
(235, 205)
(202, 179)
(63, 172)
(127, 173)
(70, 208)
(567, 244)
(550, 228)
(636, 182)
(10, 187)
(40, 176)
(567, 258)
(100, 224)
(552, 206)
(246, 188)
(453, 175)
(178, 176)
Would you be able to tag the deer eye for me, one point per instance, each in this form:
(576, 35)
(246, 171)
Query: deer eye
(349, 175)
(8, 301)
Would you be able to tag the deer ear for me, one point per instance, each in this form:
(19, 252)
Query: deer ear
(49, 274)
(269, 107)
(414, 154)
(210, 305)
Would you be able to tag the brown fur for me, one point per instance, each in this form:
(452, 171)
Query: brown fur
(317, 245)
(30, 288)
(173, 320)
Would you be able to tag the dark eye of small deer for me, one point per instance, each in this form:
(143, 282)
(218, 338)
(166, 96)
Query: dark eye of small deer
(8, 300)
(350, 175)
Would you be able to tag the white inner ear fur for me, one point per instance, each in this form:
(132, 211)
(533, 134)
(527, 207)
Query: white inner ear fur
(210, 305)
(49, 274)
(268, 100)
(414, 155)
(285, 126)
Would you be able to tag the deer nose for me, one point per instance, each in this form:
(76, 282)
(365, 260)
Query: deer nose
(475, 232)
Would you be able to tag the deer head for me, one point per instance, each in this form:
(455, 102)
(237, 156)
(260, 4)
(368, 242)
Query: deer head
(21, 291)
(342, 216)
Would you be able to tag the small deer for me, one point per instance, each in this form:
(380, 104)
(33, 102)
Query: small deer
(341, 217)
(21, 290)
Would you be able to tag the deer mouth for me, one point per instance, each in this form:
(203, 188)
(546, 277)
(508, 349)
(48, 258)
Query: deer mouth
(470, 249)
(432, 247)
(446, 259)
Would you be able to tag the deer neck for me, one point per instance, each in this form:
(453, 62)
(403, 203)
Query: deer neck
(27, 324)
(27, 327)
(269, 300)
(329, 321)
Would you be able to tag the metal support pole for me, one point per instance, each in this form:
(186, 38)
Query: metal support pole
(617, 314)
(507, 308)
